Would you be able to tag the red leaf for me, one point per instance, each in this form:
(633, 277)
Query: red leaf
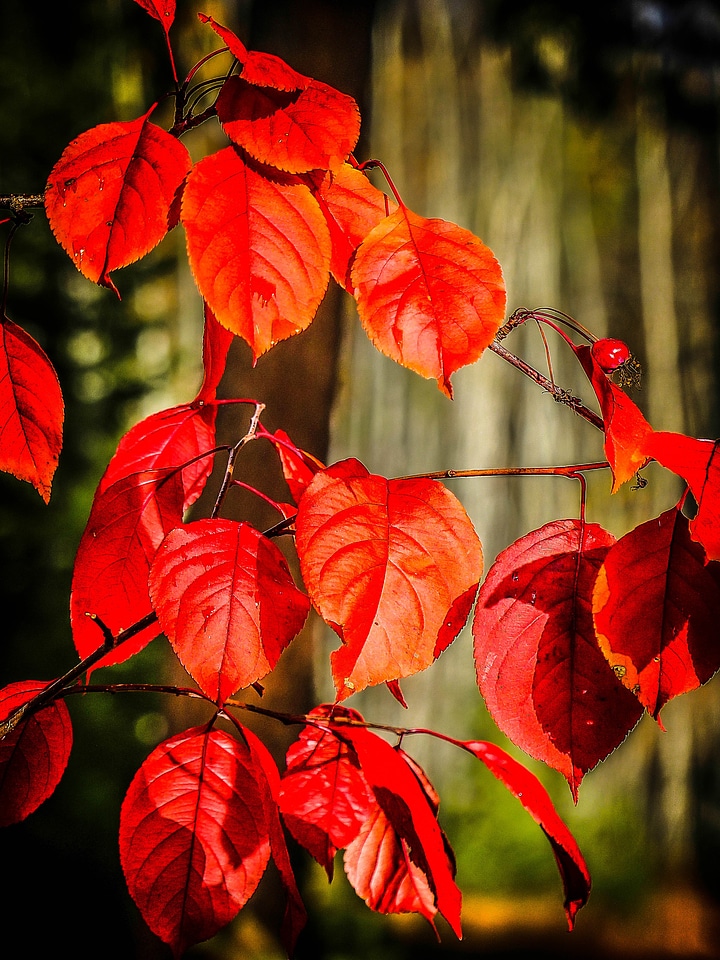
(324, 799)
(260, 69)
(656, 604)
(31, 410)
(34, 755)
(299, 467)
(226, 600)
(539, 667)
(352, 207)
(193, 835)
(295, 131)
(627, 432)
(698, 463)
(259, 248)
(430, 294)
(533, 796)
(379, 868)
(412, 816)
(167, 439)
(162, 10)
(128, 522)
(110, 195)
(295, 914)
(216, 345)
(392, 565)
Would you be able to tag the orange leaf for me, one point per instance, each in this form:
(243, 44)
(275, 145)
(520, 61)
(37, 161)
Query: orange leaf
(296, 131)
(656, 605)
(259, 248)
(626, 430)
(110, 195)
(352, 207)
(392, 565)
(31, 409)
(698, 463)
(430, 294)
(260, 69)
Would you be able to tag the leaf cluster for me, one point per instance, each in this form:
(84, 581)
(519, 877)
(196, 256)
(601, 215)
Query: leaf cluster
(575, 634)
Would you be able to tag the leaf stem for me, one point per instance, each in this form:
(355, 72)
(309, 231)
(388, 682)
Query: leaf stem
(58, 687)
(572, 471)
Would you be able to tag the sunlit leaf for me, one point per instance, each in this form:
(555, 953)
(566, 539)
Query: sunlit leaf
(162, 10)
(656, 605)
(352, 207)
(227, 602)
(536, 800)
(110, 196)
(295, 916)
(324, 798)
(698, 463)
(430, 294)
(34, 755)
(217, 341)
(166, 439)
(627, 432)
(260, 69)
(413, 817)
(539, 667)
(31, 409)
(259, 248)
(193, 835)
(391, 565)
(298, 466)
(295, 131)
(128, 522)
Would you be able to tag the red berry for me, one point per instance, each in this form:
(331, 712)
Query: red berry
(609, 354)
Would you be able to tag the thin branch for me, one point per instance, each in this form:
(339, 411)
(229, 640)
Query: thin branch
(17, 202)
(57, 687)
(558, 393)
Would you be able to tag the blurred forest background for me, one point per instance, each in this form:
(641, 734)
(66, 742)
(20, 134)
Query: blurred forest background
(581, 142)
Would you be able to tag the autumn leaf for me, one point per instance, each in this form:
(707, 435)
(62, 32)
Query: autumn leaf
(627, 432)
(430, 294)
(110, 195)
(164, 440)
(324, 798)
(194, 839)
(539, 668)
(226, 601)
(352, 207)
(295, 916)
(34, 755)
(534, 797)
(31, 410)
(656, 605)
(162, 10)
(412, 869)
(259, 248)
(392, 565)
(260, 69)
(128, 521)
(698, 463)
(217, 341)
(298, 466)
(295, 131)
